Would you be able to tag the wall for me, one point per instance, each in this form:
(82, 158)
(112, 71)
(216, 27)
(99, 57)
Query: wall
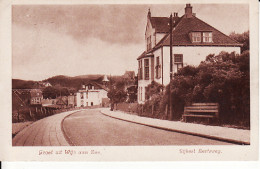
(149, 32)
(94, 96)
(159, 36)
(143, 83)
(192, 55)
(157, 53)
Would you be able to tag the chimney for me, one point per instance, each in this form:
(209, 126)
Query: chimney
(188, 11)
(175, 14)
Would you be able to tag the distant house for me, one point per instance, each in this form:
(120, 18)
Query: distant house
(91, 94)
(46, 84)
(48, 102)
(192, 40)
(36, 97)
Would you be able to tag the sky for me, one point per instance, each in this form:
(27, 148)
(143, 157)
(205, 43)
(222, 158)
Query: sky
(72, 40)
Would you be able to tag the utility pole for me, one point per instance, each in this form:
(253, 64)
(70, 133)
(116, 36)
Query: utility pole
(170, 93)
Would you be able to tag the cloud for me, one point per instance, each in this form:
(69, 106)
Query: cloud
(114, 24)
(40, 53)
(50, 40)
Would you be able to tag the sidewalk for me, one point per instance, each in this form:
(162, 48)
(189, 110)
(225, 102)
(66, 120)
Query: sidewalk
(44, 132)
(233, 135)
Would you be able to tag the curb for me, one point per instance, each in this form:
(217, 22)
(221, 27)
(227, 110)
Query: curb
(63, 130)
(184, 132)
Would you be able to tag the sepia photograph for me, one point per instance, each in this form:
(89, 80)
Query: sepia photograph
(93, 79)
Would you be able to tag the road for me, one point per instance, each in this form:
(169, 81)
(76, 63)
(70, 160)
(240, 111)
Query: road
(91, 128)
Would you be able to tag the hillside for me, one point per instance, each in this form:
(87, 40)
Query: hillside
(64, 81)
(23, 84)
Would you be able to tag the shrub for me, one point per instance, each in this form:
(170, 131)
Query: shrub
(223, 78)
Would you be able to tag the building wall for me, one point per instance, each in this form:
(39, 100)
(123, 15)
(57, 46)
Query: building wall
(144, 83)
(90, 97)
(192, 55)
(159, 36)
(149, 32)
(157, 53)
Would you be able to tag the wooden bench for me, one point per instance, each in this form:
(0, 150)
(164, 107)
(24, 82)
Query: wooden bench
(201, 110)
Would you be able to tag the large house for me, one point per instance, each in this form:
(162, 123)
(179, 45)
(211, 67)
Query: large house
(192, 41)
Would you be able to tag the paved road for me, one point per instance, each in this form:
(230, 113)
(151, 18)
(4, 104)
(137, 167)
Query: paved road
(91, 128)
(44, 132)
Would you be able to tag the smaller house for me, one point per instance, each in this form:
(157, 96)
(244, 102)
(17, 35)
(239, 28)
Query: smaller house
(46, 84)
(48, 102)
(91, 94)
(36, 97)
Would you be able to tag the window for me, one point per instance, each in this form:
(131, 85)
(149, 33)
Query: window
(146, 69)
(158, 68)
(140, 70)
(207, 36)
(178, 61)
(81, 95)
(149, 43)
(196, 36)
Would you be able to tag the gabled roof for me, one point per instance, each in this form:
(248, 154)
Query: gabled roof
(36, 93)
(186, 25)
(182, 27)
(97, 86)
(161, 24)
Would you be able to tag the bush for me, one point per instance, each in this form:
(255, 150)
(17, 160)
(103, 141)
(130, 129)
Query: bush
(224, 79)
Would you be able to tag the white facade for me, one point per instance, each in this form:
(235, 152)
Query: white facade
(192, 55)
(91, 97)
(192, 41)
(155, 36)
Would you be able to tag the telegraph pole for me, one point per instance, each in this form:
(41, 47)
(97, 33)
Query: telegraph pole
(170, 93)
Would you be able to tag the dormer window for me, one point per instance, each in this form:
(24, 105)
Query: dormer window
(207, 36)
(196, 36)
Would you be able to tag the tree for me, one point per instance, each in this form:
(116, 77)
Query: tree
(222, 78)
(152, 89)
(54, 91)
(116, 95)
(241, 38)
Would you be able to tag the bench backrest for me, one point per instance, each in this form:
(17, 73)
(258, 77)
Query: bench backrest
(203, 107)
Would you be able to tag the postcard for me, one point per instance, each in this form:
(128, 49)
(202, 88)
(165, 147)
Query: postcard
(129, 81)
